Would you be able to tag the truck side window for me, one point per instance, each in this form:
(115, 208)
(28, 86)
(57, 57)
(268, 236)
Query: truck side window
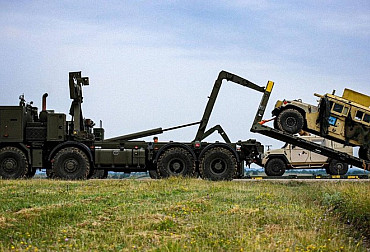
(367, 118)
(337, 108)
(345, 111)
(359, 115)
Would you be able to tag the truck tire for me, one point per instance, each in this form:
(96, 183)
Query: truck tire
(275, 167)
(364, 153)
(218, 164)
(177, 162)
(290, 120)
(13, 163)
(337, 167)
(71, 163)
(99, 174)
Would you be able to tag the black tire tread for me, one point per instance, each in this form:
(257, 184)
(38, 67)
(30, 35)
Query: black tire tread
(333, 170)
(275, 161)
(279, 120)
(58, 174)
(16, 151)
(161, 170)
(229, 176)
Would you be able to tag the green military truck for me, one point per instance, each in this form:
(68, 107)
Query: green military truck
(75, 149)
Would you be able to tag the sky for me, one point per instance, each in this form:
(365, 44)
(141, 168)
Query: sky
(153, 63)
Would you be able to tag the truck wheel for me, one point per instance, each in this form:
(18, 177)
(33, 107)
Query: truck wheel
(364, 153)
(337, 168)
(99, 174)
(290, 120)
(153, 174)
(175, 162)
(71, 163)
(275, 167)
(218, 164)
(13, 163)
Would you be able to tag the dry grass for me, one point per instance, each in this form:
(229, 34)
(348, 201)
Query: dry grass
(183, 215)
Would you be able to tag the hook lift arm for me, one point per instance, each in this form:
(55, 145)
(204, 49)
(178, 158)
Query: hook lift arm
(223, 75)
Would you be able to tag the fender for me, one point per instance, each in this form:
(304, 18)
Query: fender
(289, 106)
(170, 145)
(223, 145)
(71, 144)
(22, 147)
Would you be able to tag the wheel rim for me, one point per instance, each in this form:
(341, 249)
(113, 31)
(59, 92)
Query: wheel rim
(339, 167)
(9, 164)
(70, 165)
(276, 168)
(218, 166)
(291, 122)
(176, 166)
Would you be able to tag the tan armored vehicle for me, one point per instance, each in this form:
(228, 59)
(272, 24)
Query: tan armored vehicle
(343, 119)
(289, 156)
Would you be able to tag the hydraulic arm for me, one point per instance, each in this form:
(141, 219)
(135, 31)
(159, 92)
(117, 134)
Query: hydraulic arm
(223, 75)
(75, 88)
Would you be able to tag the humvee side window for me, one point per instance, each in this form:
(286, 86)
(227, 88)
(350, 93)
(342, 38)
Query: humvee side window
(367, 118)
(345, 110)
(337, 108)
(359, 115)
(330, 104)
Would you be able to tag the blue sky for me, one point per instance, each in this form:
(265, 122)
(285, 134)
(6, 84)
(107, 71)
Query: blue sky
(153, 63)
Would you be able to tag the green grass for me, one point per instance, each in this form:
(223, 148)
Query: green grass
(183, 215)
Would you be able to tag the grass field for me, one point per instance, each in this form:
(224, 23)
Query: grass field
(184, 215)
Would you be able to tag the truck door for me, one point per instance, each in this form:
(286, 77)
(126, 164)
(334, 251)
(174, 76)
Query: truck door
(338, 114)
(317, 158)
(298, 155)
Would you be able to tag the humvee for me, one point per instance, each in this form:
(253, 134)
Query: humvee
(343, 119)
(276, 161)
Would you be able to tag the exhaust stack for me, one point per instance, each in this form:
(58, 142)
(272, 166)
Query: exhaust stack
(44, 101)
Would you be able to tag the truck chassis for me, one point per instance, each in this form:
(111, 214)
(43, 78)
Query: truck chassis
(76, 150)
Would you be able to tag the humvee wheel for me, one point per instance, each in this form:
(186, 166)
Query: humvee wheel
(337, 168)
(290, 120)
(99, 174)
(13, 163)
(71, 163)
(218, 164)
(275, 167)
(175, 161)
(364, 153)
